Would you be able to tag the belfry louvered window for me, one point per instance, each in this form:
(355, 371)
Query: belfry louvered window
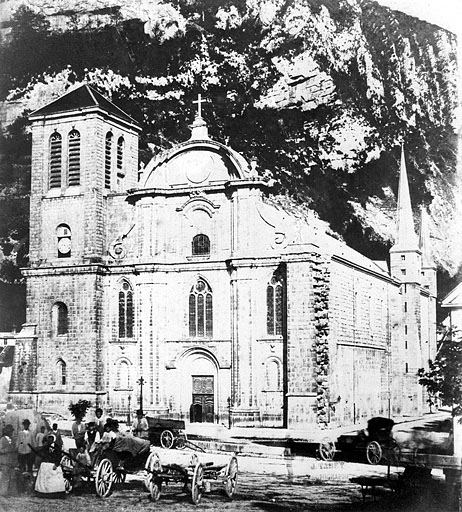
(126, 311)
(200, 310)
(73, 177)
(108, 160)
(274, 305)
(120, 157)
(56, 158)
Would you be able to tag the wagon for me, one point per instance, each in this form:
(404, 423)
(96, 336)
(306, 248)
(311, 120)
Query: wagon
(167, 433)
(126, 454)
(376, 443)
(380, 442)
(195, 471)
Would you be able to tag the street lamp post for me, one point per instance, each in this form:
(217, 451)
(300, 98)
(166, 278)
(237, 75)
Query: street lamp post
(129, 419)
(229, 412)
(141, 381)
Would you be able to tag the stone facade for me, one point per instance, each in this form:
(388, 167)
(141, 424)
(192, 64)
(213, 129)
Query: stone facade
(187, 275)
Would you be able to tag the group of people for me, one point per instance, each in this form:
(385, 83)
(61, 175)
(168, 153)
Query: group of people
(26, 451)
(21, 453)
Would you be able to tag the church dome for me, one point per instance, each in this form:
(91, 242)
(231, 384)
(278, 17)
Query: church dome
(200, 161)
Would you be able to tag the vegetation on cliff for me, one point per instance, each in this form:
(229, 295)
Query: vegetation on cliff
(320, 93)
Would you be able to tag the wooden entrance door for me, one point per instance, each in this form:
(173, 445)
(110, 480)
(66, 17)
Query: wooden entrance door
(202, 410)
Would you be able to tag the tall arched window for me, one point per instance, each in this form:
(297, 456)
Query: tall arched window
(60, 318)
(274, 304)
(126, 316)
(56, 157)
(61, 372)
(200, 310)
(123, 375)
(201, 245)
(108, 160)
(73, 175)
(120, 157)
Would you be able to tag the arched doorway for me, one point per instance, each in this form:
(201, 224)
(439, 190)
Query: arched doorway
(199, 375)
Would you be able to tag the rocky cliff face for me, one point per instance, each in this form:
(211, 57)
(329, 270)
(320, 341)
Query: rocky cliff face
(320, 92)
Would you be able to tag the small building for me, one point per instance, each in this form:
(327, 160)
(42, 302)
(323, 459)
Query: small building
(188, 276)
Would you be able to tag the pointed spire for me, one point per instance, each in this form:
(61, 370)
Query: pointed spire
(406, 238)
(427, 258)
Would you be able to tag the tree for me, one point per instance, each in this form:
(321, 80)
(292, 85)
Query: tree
(443, 379)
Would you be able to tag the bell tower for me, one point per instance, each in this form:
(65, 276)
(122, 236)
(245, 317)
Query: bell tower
(84, 159)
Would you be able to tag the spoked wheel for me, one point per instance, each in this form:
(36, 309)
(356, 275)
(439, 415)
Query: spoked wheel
(119, 476)
(326, 449)
(180, 442)
(374, 452)
(155, 488)
(104, 478)
(166, 439)
(230, 480)
(197, 484)
(68, 485)
(153, 468)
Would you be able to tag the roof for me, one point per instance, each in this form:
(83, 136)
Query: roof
(82, 97)
(454, 298)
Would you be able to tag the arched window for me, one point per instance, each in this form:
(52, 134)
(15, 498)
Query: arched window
(125, 311)
(123, 375)
(108, 160)
(60, 318)
(56, 157)
(61, 372)
(64, 241)
(73, 175)
(272, 375)
(274, 304)
(120, 157)
(200, 310)
(201, 245)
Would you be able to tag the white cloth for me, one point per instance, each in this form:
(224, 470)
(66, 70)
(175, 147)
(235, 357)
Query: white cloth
(49, 480)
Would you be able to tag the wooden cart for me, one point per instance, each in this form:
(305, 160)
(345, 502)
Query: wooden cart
(194, 470)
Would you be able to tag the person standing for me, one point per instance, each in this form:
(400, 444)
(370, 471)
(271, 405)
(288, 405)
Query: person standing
(140, 425)
(78, 432)
(58, 440)
(8, 459)
(25, 454)
(39, 439)
(99, 422)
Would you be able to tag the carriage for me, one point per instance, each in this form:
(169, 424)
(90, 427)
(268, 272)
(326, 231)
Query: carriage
(376, 443)
(166, 432)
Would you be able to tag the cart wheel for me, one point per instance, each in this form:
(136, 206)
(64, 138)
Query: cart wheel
(197, 484)
(374, 452)
(104, 478)
(152, 467)
(231, 478)
(166, 439)
(119, 476)
(68, 485)
(180, 442)
(155, 487)
(326, 449)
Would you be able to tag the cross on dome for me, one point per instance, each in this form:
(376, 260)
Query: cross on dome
(199, 102)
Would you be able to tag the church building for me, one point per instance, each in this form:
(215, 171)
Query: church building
(188, 283)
